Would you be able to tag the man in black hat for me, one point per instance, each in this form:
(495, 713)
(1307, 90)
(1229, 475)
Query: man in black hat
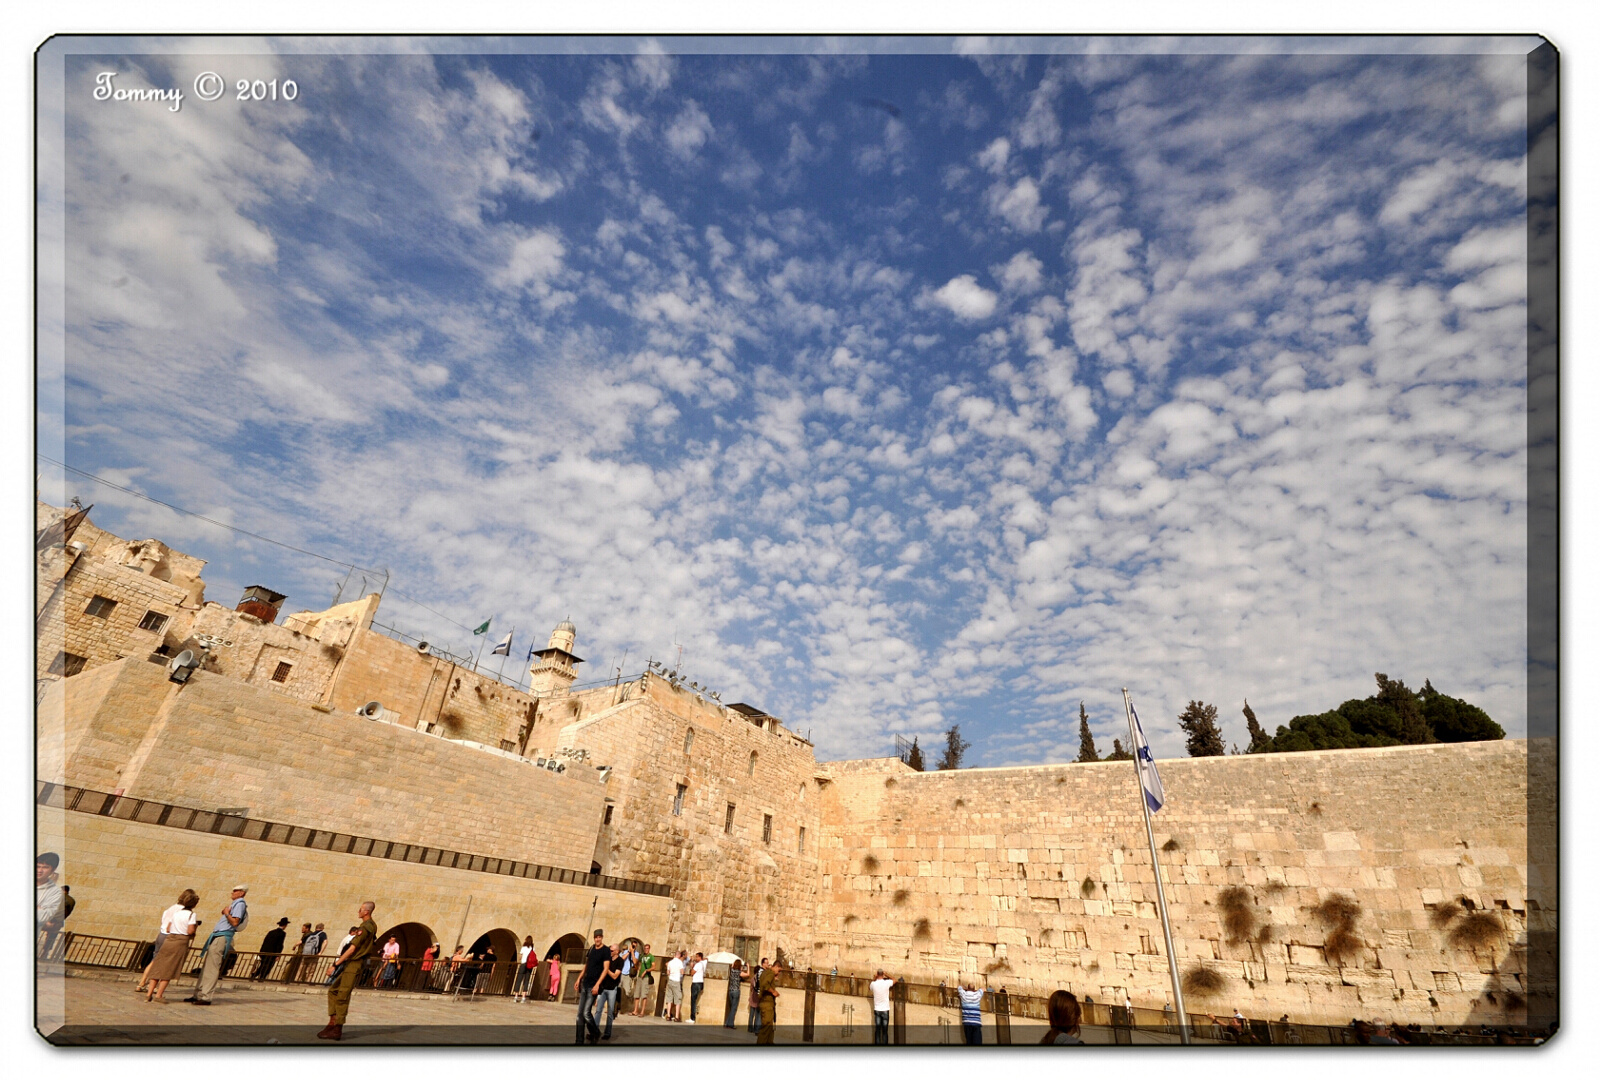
(51, 901)
(271, 949)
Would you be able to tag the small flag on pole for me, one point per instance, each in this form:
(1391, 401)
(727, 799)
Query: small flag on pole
(1149, 779)
(484, 629)
(504, 648)
(530, 650)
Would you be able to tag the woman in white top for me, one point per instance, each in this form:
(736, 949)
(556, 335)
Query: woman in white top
(519, 989)
(178, 922)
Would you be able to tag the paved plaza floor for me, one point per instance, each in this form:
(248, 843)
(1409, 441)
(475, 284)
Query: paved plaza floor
(106, 1011)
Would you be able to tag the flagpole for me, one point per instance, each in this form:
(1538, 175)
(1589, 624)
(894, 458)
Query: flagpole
(1155, 866)
(479, 655)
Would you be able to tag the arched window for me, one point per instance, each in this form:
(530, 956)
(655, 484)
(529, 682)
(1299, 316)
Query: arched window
(802, 791)
(688, 740)
(752, 763)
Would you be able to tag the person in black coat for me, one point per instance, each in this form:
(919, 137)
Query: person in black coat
(271, 949)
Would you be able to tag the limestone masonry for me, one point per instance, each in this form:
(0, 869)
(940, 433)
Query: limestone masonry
(1394, 883)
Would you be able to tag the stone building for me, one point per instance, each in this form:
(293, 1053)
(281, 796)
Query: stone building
(328, 756)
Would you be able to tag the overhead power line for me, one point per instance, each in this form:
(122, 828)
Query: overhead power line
(245, 532)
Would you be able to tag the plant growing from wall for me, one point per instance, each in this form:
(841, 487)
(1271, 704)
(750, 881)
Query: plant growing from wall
(1238, 914)
(1478, 930)
(869, 864)
(1200, 981)
(901, 896)
(1086, 890)
(1339, 914)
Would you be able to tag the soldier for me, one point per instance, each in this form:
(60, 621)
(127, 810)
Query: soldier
(767, 994)
(347, 971)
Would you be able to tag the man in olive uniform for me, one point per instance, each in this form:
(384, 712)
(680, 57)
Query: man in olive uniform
(351, 964)
(767, 994)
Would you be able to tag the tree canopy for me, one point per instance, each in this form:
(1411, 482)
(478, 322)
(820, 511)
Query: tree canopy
(954, 748)
(1117, 752)
(914, 758)
(1199, 721)
(1394, 716)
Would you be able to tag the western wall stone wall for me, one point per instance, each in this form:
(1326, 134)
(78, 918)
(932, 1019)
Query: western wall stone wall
(727, 884)
(218, 742)
(125, 873)
(1040, 877)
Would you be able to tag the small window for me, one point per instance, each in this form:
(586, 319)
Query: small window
(677, 800)
(153, 621)
(100, 607)
(766, 828)
(609, 808)
(802, 847)
(752, 763)
(727, 822)
(507, 744)
(281, 673)
(688, 740)
(67, 664)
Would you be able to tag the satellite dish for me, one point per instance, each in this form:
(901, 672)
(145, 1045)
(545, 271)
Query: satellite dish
(422, 646)
(371, 710)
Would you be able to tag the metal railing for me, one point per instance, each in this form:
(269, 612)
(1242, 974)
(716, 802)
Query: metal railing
(147, 812)
(1122, 1021)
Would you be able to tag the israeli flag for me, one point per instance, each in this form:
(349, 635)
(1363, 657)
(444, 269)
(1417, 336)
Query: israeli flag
(1149, 779)
(504, 648)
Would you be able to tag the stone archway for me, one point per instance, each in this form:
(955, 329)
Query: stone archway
(414, 939)
(504, 943)
(571, 949)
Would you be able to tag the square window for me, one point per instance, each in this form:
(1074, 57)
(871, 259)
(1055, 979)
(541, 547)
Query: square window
(610, 807)
(100, 607)
(153, 621)
(507, 744)
(727, 822)
(766, 828)
(677, 800)
(281, 674)
(67, 664)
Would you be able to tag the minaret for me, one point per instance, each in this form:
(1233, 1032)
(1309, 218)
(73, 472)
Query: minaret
(555, 667)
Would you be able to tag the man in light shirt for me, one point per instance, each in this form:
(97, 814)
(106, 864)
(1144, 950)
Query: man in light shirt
(697, 986)
(220, 944)
(675, 987)
(881, 1005)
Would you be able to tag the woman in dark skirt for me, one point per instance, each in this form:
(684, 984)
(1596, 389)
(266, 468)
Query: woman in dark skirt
(179, 923)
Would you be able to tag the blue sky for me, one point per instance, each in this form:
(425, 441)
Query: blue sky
(899, 390)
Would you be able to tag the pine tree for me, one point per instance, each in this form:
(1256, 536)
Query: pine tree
(914, 758)
(1086, 750)
(1199, 720)
(953, 748)
(1117, 752)
(1260, 741)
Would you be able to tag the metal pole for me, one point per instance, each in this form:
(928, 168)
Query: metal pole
(1155, 866)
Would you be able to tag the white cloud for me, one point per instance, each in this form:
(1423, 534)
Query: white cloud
(1022, 273)
(1019, 204)
(535, 259)
(965, 298)
(689, 131)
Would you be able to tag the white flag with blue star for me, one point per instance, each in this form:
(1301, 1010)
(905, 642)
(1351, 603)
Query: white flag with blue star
(1149, 779)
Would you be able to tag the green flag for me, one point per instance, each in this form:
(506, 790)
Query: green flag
(484, 629)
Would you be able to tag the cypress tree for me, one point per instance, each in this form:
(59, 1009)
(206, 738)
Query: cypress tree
(914, 758)
(1117, 752)
(1260, 741)
(1086, 750)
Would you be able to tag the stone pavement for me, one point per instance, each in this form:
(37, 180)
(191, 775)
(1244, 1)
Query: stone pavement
(105, 1011)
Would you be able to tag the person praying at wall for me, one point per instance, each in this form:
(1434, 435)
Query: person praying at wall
(735, 977)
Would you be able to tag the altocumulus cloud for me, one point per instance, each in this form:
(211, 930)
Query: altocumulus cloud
(1200, 375)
